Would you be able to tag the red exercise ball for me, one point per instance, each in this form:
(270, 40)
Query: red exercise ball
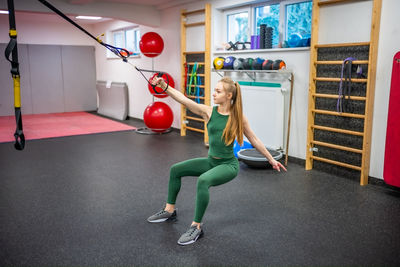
(151, 44)
(158, 117)
(168, 79)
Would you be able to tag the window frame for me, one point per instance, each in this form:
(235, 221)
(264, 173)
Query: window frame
(110, 39)
(252, 18)
(234, 11)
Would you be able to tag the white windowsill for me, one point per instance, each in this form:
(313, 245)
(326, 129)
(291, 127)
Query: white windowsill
(254, 51)
(115, 57)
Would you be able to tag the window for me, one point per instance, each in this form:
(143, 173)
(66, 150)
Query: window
(298, 19)
(286, 17)
(268, 15)
(126, 38)
(238, 25)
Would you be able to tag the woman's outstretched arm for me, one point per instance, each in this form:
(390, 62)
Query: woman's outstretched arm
(200, 109)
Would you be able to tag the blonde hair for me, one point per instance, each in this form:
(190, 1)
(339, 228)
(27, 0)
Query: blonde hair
(234, 126)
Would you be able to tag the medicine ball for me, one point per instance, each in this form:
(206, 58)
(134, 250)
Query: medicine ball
(248, 63)
(238, 64)
(257, 63)
(279, 64)
(218, 63)
(267, 65)
(228, 63)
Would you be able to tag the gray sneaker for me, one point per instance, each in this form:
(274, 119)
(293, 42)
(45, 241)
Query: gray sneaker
(190, 236)
(162, 216)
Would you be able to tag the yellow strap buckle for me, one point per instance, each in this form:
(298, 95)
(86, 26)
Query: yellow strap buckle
(98, 38)
(13, 33)
(17, 92)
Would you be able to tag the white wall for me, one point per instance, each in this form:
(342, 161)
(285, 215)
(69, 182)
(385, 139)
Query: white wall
(44, 29)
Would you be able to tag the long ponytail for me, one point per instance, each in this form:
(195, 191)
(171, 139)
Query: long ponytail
(234, 127)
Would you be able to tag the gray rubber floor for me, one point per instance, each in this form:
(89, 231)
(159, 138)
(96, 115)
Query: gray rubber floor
(84, 200)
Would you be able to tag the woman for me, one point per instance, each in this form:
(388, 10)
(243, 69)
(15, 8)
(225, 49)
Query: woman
(225, 123)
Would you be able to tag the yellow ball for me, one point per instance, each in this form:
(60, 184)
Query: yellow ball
(218, 63)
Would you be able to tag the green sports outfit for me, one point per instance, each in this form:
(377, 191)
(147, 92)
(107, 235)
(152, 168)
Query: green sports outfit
(220, 167)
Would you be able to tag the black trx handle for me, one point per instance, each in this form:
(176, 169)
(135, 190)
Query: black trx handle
(159, 74)
(12, 50)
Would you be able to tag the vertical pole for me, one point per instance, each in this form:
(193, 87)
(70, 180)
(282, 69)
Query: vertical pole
(369, 104)
(207, 63)
(311, 90)
(183, 61)
(290, 115)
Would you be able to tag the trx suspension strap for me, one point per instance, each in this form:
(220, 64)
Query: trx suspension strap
(120, 52)
(11, 49)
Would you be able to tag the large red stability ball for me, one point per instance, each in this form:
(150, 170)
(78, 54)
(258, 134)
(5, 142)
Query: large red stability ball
(158, 117)
(151, 44)
(168, 79)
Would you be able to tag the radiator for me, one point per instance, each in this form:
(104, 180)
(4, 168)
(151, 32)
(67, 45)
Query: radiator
(263, 105)
(113, 99)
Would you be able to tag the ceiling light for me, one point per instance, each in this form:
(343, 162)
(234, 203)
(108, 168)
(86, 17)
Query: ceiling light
(3, 12)
(88, 17)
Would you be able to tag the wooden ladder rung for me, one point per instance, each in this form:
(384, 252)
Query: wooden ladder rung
(192, 63)
(201, 86)
(345, 148)
(201, 23)
(339, 62)
(332, 2)
(194, 129)
(202, 52)
(341, 44)
(360, 98)
(327, 79)
(350, 166)
(193, 12)
(194, 118)
(200, 75)
(195, 97)
(335, 113)
(337, 130)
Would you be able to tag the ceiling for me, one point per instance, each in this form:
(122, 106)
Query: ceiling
(159, 4)
(137, 2)
(143, 12)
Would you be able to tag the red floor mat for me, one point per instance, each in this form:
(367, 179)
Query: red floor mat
(39, 126)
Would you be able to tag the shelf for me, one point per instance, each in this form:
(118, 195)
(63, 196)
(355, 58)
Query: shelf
(252, 73)
(258, 51)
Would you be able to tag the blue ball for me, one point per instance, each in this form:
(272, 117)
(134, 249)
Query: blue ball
(237, 147)
(294, 40)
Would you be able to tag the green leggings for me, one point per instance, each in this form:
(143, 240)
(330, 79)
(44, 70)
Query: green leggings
(211, 172)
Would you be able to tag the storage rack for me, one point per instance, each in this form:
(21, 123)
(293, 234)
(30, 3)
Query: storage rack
(190, 121)
(354, 153)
